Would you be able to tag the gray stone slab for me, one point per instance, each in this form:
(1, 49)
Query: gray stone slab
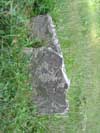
(49, 79)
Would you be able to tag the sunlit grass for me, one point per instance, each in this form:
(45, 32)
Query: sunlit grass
(91, 4)
(93, 23)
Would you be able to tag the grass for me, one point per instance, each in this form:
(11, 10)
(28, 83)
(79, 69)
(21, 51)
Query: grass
(17, 114)
(78, 28)
(43, 6)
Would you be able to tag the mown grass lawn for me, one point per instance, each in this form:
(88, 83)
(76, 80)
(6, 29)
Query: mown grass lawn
(78, 28)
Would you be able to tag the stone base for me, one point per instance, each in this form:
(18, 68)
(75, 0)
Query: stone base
(49, 77)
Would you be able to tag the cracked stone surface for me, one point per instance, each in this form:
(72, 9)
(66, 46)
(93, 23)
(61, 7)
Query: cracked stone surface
(49, 79)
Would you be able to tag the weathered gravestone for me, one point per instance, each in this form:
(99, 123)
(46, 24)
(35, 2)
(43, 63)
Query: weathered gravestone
(49, 77)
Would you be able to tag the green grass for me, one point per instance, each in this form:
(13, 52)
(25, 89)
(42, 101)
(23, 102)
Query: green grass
(43, 6)
(17, 114)
(78, 27)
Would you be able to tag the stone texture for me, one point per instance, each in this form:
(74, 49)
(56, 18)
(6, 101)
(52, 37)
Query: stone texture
(49, 79)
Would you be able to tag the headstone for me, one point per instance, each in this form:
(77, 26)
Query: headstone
(49, 79)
